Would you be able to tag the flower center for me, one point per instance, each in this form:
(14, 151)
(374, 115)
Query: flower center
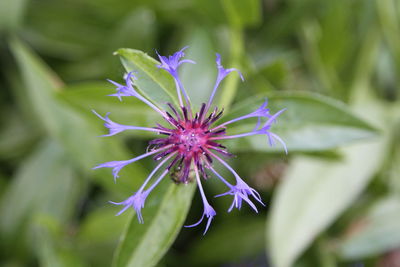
(191, 139)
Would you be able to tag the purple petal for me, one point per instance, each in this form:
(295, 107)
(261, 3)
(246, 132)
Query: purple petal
(135, 201)
(222, 72)
(172, 63)
(118, 165)
(195, 224)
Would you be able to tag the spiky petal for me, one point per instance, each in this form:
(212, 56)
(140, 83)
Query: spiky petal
(209, 211)
(190, 142)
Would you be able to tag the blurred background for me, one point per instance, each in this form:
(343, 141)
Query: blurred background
(334, 200)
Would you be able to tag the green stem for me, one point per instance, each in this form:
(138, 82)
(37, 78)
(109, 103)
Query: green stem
(325, 256)
(230, 85)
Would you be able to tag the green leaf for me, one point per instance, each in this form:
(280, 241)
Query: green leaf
(242, 13)
(154, 83)
(231, 83)
(17, 136)
(310, 123)
(11, 13)
(95, 96)
(99, 234)
(388, 14)
(378, 232)
(51, 248)
(45, 183)
(166, 209)
(199, 78)
(314, 192)
(79, 136)
(232, 241)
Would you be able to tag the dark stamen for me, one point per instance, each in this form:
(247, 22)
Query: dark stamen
(175, 160)
(220, 131)
(204, 152)
(185, 113)
(201, 112)
(163, 154)
(211, 143)
(216, 117)
(174, 111)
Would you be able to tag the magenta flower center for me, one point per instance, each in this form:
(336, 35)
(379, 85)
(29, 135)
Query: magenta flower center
(189, 141)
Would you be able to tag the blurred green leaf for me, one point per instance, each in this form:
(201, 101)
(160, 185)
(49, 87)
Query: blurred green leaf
(377, 232)
(230, 85)
(232, 241)
(99, 234)
(393, 159)
(199, 79)
(101, 226)
(310, 123)
(45, 183)
(78, 136)
(16, 136)
(389, 16)
(314, 192)
(11, 13)
(155, 84)
(94, 96)
(242, 13)
(51, 249)
(144, 244)
(274, 69)
(142, 22)
(331, 48)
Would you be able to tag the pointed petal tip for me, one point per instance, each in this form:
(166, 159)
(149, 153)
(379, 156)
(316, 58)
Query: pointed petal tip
(188, 61)
(195, 224)
(118, 95)
(208, 224)
(240, 75)
(284, 148)
(218, 60)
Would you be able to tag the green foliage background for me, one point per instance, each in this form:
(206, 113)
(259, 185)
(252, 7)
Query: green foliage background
(334, 200)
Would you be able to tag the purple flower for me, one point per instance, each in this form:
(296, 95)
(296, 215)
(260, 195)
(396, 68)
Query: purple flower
(136, 201)
(171, 65)
(241, 191)
(222, 73)
(209, 211)
(190, 142)
(127, 89)
(115, 128)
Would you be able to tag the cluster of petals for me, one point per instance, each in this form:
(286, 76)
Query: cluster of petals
(190, 142)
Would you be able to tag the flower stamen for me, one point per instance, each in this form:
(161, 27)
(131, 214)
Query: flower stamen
(190, 141)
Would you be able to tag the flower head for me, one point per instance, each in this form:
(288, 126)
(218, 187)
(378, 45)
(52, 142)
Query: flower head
(241, 191)
(127, 89)
(136, 201)
(172, 63)
(222, 72)
(190, 142)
